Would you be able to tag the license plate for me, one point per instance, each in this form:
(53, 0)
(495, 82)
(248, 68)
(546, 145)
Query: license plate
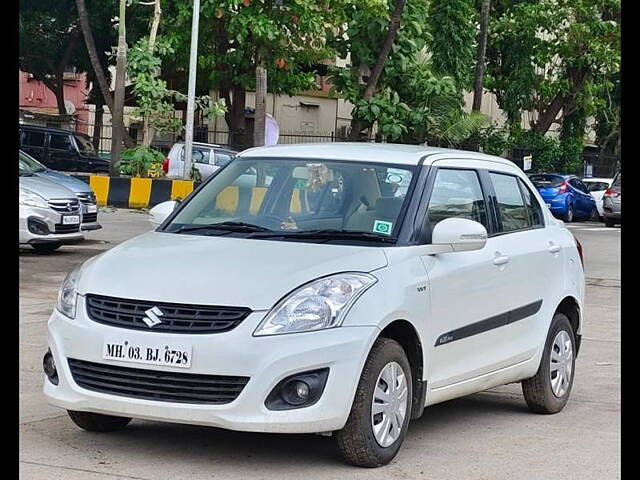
(70, 219)
(92, 208)
(147, 352)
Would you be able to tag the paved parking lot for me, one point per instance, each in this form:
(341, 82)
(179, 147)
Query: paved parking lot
(490, 435)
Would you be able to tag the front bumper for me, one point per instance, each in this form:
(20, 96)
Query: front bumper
(266, 360)
(51, 218)
(89, 219)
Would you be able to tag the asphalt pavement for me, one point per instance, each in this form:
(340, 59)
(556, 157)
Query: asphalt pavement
(489, 435)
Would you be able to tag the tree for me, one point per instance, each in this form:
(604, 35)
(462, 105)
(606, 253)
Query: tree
(118, 100)
(49, 38)
(451, 24)
(478, 83)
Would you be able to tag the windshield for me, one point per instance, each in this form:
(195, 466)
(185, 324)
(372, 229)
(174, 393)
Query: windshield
(29, 164)
(299, 198)
(84, 145)
(543, 181)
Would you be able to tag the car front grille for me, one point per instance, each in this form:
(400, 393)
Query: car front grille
(176, 318)
(156, 385)
(67, 228)
(65, 205)
(87, 197)
(89, 217)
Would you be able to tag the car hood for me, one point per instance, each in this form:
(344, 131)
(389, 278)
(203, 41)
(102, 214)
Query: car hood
(200, 270)
(45, 188)
(74, 184)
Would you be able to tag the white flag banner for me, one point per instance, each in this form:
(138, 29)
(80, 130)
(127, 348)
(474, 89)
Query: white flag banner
(271, 131)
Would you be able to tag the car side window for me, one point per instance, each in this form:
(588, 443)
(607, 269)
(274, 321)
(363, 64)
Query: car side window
(60, 142)
(198, 155)
(457, 193)
(511, 207)
(223, 158)
(533, 207)
(33, 139)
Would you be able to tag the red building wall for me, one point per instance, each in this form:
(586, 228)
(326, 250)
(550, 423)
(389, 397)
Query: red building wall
(35, 96)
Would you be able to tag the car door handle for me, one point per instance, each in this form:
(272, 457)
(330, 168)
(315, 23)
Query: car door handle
(501, 260)
(554, 248)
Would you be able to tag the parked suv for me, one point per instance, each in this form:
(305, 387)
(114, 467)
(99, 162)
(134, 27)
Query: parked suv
(342, 303)
(206, 157)
(612, 202)
(82, 190)
(566, 196)
(61, 149)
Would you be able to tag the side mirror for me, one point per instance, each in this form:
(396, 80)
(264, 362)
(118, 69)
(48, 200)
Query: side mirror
(458, 235)
(160, 212)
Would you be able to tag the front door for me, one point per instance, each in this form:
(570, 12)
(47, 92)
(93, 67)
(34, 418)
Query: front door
(467, 289)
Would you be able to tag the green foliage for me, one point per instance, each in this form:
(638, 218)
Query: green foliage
(140, 161)
(453, 37)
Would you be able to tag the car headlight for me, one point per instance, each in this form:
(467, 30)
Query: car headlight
(68, 295)
(319, 304)
(31, 199)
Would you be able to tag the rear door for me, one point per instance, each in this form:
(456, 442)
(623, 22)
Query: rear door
(533, 263)
(62, 154)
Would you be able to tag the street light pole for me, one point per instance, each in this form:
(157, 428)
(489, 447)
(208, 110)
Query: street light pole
(191, 94)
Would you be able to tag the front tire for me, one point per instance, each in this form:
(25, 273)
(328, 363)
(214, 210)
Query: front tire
(548, 391)
(97, 422)
(379, 418)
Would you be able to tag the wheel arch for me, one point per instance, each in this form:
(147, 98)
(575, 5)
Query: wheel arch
(403, 332)
(570, 306)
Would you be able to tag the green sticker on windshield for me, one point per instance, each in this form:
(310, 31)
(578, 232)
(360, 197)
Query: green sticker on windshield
(380, 226)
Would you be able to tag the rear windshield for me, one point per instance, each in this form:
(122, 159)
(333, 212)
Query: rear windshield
(546, 180)
(595, 186)
(617, 182)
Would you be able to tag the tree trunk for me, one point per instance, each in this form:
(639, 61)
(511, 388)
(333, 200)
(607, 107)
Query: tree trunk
(118, 101)
(97, 124)
(147, 130)
(261, 106)
(376, 71)
(480, 59)
(97, 69)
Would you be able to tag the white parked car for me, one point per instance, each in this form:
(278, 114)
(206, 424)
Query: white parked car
(597, 187)
(206, 157)
(327, 300)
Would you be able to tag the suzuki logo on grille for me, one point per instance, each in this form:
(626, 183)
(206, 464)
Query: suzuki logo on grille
(70, 207)
(152, 315)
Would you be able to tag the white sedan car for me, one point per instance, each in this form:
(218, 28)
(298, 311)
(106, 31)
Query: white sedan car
(327, 300)
(597, 187)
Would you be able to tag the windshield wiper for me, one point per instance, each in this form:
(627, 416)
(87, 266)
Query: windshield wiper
(227, 226)
(327, 234)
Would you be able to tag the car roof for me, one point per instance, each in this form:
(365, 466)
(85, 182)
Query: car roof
(368, 152)
(48, 129)
(211, 145)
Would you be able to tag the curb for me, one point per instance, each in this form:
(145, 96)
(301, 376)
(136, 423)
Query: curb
(125, 192)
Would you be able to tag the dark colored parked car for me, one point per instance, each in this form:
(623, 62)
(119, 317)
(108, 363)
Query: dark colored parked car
(566, 196)
(612, 202)
(61, 150)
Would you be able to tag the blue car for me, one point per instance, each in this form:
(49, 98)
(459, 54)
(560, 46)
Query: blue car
(566, 196)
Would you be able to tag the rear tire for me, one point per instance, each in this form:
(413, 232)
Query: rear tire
(46, 247)
(595, 216)
(543, 392)
(97, 422)
(568, 217)
(609, 222)
(357, 441)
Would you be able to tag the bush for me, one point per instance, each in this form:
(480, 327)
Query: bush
(142, 162)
